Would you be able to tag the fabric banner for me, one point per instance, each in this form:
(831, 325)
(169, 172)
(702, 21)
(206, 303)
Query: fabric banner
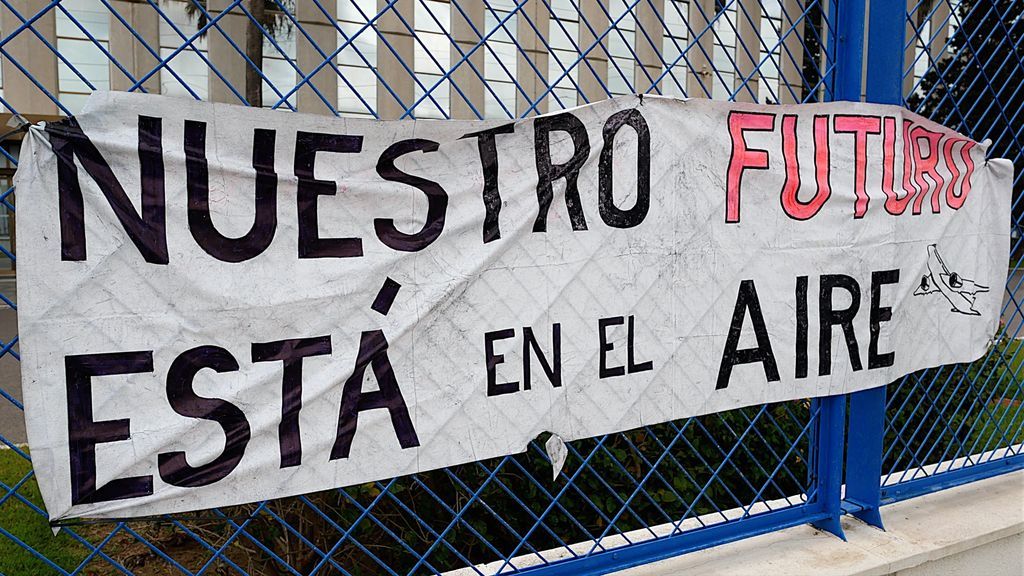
(222, 305)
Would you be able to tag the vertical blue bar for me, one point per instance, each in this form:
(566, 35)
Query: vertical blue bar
(828, 461)
(864, 454)
(887, 22)
(847, 51)
(849, 54)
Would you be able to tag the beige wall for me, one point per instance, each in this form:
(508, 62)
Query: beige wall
(792, 57)
(468, 75)
(593, 72)
(131, 53)
(911, 53)
(393, 103)
(223, 56)
(29, 51)
(700, 77)
(647, 68)
(532, 59)
(311, 52)
(748, 50)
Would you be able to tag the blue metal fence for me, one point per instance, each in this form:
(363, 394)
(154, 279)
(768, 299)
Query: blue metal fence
(624, 499)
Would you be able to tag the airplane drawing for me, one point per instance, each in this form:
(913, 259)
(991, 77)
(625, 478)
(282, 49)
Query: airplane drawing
(960, 291)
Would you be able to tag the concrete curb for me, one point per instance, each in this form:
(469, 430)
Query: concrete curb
(924, 535)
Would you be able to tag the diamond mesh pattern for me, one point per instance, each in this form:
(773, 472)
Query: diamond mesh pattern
(964, 65)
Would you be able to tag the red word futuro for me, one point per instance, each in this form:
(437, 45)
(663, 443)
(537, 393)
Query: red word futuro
(936, 165)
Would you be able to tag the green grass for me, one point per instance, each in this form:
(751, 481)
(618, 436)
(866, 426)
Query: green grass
(1001, 423)
(999, 426)
(29, 526)
(1014, 357)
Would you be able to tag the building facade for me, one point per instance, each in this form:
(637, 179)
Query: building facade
(423, 58)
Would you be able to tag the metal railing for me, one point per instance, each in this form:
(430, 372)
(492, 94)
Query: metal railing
(626, 498)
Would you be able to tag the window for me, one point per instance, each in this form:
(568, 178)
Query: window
(621, 39)
(500, 60)
(89, 68)
(768, 81)
(723, 57)
(431, 58)
(187, 64)
(357, 59)
(743, 16)
(675, 51)
(278, 68)
(564, 61)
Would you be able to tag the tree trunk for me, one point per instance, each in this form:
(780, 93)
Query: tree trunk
(254, 51)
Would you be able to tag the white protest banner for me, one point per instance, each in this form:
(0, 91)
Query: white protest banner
(221, 305)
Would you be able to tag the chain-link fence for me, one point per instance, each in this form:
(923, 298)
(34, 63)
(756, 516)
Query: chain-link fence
(963, 68)
(625, 498)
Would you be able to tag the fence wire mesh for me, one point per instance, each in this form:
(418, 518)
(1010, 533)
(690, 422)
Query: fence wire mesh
(692, 482)
(963, 66)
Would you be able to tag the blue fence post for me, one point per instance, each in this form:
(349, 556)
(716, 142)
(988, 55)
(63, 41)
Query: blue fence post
(885, 45)
(864, 455)
(848, 54)
(828, 462)
(849, 51)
